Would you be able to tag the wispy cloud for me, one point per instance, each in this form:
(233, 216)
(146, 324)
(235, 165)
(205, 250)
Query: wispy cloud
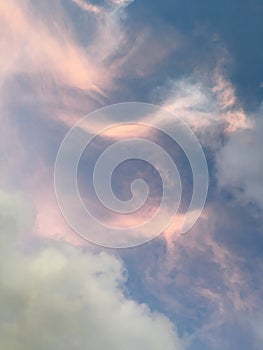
(197, 269)
(205, 103)
(86, 6)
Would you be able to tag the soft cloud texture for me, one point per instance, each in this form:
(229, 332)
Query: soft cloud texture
(57, 296)
(204, 281)
(240, 164)
(205, 103)
(63, 59)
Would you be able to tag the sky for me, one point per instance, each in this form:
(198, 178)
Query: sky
(186, 76)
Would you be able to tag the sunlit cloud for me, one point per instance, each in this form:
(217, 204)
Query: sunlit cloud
(205, 105)
(45, 293)
(60, 61)
(86, 6)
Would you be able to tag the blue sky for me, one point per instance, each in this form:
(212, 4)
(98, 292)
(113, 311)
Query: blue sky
(200, 61)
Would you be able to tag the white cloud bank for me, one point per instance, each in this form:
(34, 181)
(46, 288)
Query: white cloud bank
(59, 297)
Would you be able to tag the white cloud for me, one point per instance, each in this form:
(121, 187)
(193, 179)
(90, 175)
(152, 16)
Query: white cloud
(212, 110)
(86, 6)
(240, 163)
(59, 297)
(208, 105)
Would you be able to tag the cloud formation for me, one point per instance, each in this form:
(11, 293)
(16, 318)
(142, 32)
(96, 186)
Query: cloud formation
(240, 164)
(58, 296)
(61, 60)
(205, 103)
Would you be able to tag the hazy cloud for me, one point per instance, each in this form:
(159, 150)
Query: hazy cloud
(60, 296)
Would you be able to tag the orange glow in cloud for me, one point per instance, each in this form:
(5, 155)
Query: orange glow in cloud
(203, 106)
(29, 46)
(50, 222)
(231, 112)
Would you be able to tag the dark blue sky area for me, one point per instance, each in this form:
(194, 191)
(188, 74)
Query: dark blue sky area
(206, 24)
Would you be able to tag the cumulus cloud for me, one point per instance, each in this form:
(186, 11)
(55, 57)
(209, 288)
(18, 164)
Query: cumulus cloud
(240, 164)
(56, 296)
